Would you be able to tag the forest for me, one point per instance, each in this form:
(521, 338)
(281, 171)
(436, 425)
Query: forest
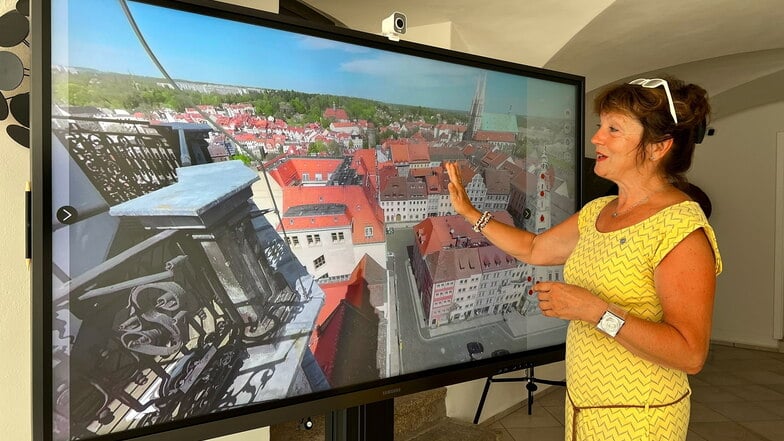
(145, 94)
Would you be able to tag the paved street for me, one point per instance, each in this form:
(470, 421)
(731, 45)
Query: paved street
(421, 348)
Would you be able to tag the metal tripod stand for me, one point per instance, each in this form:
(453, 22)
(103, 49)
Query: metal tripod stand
(530, 386)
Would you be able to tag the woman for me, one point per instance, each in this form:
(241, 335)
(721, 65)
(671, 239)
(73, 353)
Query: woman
(640, 268)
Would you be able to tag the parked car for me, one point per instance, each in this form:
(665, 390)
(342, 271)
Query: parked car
(475, 350)
(499, 352)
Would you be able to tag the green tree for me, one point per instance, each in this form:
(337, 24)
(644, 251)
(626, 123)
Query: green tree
(317, 147)
(244, 158)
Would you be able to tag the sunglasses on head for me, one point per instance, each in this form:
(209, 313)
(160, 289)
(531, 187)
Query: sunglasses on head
(652, 83)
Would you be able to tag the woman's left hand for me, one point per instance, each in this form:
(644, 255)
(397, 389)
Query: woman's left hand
(568, 302)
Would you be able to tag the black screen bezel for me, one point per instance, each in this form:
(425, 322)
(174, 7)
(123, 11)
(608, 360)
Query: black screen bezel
(264, 414)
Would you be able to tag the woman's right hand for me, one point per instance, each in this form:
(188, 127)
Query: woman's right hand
(457, 193)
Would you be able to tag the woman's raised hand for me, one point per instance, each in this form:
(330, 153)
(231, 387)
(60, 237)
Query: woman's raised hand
(457, 193)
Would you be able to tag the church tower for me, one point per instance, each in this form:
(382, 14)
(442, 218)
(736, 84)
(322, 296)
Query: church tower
(537, 219)
(477, 108)
(537, 214)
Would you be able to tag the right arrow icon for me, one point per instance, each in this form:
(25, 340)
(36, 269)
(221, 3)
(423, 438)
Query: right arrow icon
(66, 215)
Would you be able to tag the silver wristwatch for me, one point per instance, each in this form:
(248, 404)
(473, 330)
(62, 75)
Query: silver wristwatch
(610, 323)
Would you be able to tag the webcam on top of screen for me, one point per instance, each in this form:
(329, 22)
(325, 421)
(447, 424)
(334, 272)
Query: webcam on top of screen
(394, 26)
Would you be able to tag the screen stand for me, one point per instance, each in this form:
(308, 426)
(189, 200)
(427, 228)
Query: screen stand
(530, 386)
(367, 422)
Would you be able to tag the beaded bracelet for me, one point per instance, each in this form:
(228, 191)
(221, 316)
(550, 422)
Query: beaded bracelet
(482, 222)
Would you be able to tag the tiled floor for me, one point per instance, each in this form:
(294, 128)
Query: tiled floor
(739, 395)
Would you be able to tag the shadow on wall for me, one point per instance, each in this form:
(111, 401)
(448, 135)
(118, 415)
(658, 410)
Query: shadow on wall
(14, 91)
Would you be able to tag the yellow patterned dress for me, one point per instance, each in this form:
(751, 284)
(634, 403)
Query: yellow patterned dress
(612, 394)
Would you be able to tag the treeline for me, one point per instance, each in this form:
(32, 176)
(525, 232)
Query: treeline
(143, 94)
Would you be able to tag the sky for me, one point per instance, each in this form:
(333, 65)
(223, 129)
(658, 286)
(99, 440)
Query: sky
(207, 49)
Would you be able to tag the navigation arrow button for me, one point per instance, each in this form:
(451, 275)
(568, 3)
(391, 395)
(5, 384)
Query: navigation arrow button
(67, 214)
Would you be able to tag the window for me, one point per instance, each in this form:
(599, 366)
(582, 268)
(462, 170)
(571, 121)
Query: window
(306, 176)
(369, 231)
(338, 237)
(310, 239)
(319, 262)
(295, 240)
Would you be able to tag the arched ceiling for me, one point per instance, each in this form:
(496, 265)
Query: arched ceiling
(727, 46)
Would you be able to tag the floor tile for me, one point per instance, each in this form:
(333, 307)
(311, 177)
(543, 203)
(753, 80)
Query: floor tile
(691, 436)
(764, 377)
(720, 378)
(537, 433)
(772, 430)
(696, 381)
(702, 413)
(722, 354)
(557, 412)
(725, 431)
(552, 398)
(756, 392)
(744, 411)
(775, 407)
(520, 419)
(713, 394)
(739, 395)
(503, 433)
(743, 367)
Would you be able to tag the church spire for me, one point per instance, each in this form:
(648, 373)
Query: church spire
(477, 107)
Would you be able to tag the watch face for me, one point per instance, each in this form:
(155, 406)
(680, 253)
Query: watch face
(611, 324)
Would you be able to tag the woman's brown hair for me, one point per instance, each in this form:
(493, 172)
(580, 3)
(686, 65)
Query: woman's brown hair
(651, 107)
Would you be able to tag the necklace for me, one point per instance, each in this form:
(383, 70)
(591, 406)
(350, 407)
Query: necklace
(635, 205)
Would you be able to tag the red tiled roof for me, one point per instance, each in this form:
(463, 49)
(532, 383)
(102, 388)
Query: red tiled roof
(361, 210)
(494, 159)
(346, 323)
(348, 342)
(403, 188)
(365, 163)
(291, 170)
(385, 172)
(305, 223)
(466, 172)
(496, 181)
(519, 182)
(469, 150)
(495, 136)
(435, 233)
(418, 152)
(335, 113)
(452, 127)
(399, 153)
(511, 168)
(452, 250)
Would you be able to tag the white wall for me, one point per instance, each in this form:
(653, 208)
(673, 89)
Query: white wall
(15, 339)
(737, 169)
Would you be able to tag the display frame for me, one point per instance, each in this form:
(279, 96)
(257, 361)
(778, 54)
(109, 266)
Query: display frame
(260, 414)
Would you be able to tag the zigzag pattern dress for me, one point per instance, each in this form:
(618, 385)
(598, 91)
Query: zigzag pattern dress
(613, 394)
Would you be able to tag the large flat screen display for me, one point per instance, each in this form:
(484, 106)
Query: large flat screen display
(237, 213)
